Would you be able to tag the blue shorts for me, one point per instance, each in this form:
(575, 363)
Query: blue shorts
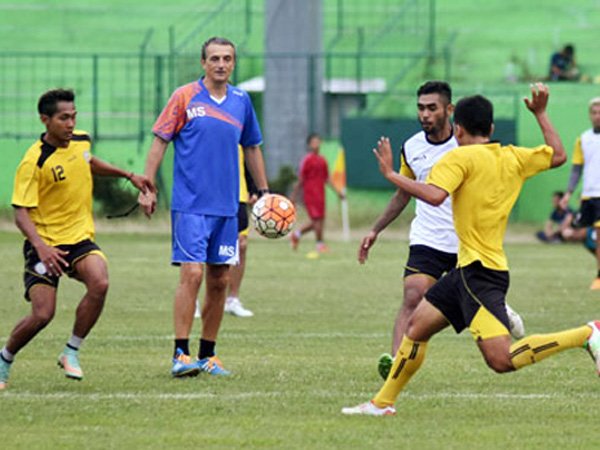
(203, 239)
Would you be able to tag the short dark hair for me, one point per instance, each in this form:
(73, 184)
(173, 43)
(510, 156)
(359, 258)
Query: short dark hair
(48, 102)
(311, 136)
(558, 194)
(475, 114)
(436, 87)
(219, 41)
(569, 49)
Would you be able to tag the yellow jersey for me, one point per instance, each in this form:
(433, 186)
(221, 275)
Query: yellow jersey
(484, 182)
(244, 196)
(55, 184)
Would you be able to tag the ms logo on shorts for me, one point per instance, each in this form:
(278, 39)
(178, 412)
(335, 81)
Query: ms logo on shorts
(227, 250)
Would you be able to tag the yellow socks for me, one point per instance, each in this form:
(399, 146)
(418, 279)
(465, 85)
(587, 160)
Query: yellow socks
(409, 358)
(532, 349)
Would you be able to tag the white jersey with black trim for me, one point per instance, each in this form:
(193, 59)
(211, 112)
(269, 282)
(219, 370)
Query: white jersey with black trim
(590, 157)
(432, 225)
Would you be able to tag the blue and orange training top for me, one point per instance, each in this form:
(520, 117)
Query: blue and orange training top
(206, 133)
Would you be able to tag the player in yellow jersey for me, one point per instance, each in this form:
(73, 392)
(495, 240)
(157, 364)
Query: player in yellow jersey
(52, 199)
(586, 162)
(484, 180)
(248, 196)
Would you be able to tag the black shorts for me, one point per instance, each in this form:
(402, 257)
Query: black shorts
(429, 261)
(588, 214)
(474, 297)
(35, 271)
(242, 217)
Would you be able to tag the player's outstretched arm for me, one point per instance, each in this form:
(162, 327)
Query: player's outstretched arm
(155, 156)
(427, 192)
(340, 193)
(395, 206)
(576, 171)
(102, 168)
(537, 105)
(296, 191)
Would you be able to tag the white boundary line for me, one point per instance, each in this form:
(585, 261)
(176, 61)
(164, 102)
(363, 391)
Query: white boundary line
(26, 395)
(225, 336)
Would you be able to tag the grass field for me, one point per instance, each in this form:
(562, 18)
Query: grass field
(311, 349)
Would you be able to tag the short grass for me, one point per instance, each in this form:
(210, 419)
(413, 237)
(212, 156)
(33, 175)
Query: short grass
(311, 349)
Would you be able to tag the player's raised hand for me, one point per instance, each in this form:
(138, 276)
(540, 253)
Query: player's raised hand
(383, 153)
(366, 243)
(539, 98)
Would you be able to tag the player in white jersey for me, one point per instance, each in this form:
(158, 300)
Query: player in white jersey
(586, 162)
(433, 242)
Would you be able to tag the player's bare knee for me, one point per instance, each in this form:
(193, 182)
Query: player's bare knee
(219, 281)
(43, 317)
(192, 275)
(415, 330)
(98, 288)
(412, 298)
(499, 363)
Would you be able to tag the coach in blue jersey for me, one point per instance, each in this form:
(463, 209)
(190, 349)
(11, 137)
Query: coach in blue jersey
(205, 120)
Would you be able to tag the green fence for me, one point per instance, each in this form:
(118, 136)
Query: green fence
(120, 95)
(117, 95)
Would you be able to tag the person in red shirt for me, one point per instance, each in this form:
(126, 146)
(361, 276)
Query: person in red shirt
(312, 178)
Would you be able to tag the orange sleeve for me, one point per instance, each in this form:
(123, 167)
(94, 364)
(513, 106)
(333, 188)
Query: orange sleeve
(174, 117)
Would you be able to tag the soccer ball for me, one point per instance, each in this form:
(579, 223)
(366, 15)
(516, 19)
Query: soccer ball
(273, 215)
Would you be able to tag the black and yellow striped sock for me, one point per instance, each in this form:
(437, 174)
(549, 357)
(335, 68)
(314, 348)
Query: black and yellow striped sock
(409, 358)
(534, 348)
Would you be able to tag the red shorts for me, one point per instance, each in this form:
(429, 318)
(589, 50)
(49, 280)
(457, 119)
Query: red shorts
(315, 209)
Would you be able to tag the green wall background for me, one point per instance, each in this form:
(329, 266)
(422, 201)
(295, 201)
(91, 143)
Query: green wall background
(568, 111)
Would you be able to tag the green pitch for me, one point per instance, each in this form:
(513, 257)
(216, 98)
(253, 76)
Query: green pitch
(311, 349)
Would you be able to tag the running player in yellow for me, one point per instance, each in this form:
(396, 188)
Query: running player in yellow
(586, 162)
(52, 199)
(433, 242)
(484, 180)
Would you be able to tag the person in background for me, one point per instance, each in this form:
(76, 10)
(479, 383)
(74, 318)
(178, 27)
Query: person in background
(248, 196)
(312, 178)
(558, 223)
(563, 66)
(586, 165)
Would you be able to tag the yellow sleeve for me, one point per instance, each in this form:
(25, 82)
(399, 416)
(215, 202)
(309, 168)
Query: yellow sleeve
(25, 192)
(533, 160)
(450, 171)
(577, 153)
(405, 168)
